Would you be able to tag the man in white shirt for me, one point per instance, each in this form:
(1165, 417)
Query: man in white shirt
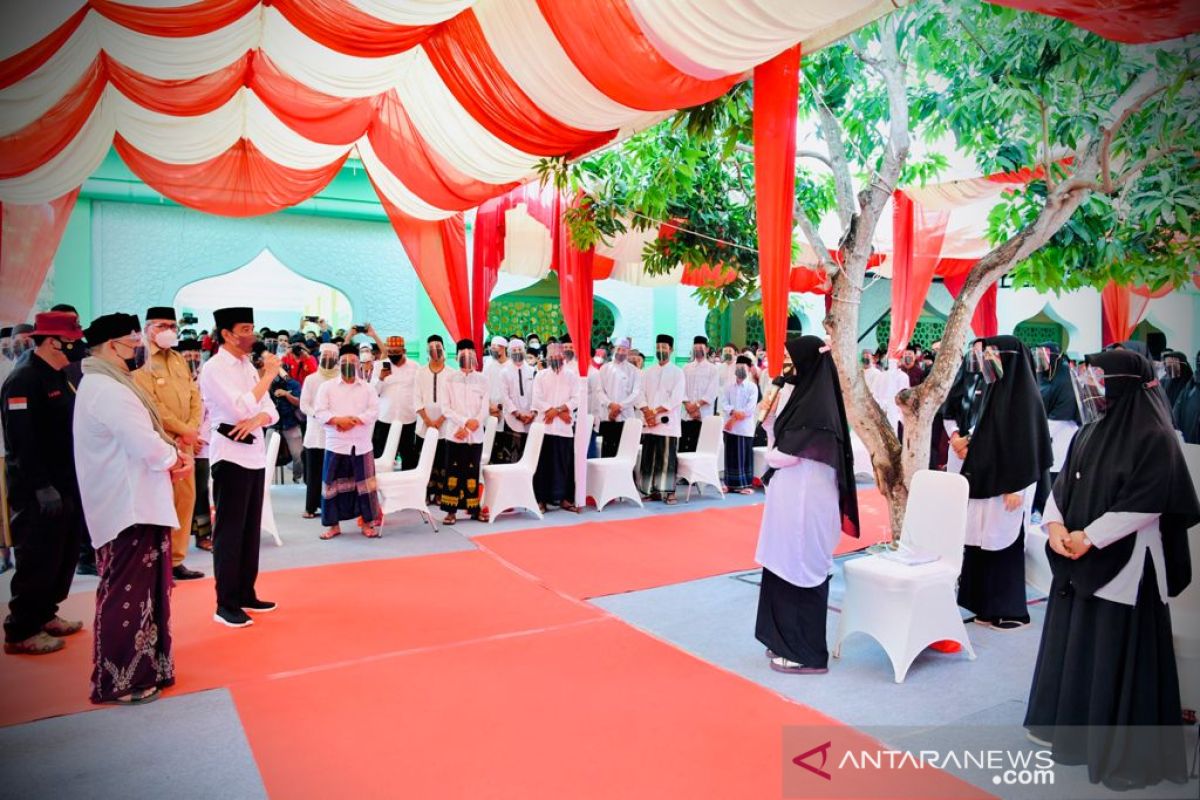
(620, 388)
(493, 369)
(516, 381)
(432, 380)
(347, 408)
(314, 433)
(395, 381)
(556, 401)
(239, 411)
(466, 409)
(739, 401)
(661, 400)
(702, 384)
(126, 462)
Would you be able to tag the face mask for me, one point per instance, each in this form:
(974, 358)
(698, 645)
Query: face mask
(166, 339)
(436, 353)
(535, 342)
(245, 343)
(662, 355)
(497, 353)
(398, 358)
(568, 355)
(136, 360)
(740, 373)
(269, 343)
(1172, 368)
(349, 371)
(597, 360)
(366, 357)
(297, 350)
(327, 364)
(698, 354)
(621, 358)
(466, 361)
(727, 356)
(74, 351)
(555, 362)
(281, 349)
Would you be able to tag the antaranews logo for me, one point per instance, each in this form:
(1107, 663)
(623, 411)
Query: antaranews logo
(823, 751)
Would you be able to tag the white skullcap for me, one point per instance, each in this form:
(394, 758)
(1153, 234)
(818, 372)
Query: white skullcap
(328, 347)
(625, 341)
(515, 342)
(499, 340)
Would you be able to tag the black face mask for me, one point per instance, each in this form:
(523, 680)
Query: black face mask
(74, 351)
(138, 358)
(396, 359)
(349, 370)
(297, 350)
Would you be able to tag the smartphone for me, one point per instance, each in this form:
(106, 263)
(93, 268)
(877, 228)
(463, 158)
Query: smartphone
(360, 328)
(226, 430)
(312, 319)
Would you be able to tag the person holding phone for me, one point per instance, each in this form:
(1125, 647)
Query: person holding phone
(240, 409)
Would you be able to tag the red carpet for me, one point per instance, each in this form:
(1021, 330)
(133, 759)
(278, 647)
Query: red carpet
(328, 615)
(602, 558)
(592, 710)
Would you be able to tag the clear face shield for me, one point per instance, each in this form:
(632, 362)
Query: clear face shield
(1041, 359)
(516, 353)
(468, 361)
(1088, 383)
(554, 357)
(436, 351)
(1172, 367)
(699, 352)
(985, 362)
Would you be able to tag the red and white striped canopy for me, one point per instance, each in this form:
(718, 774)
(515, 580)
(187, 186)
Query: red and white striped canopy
(242, 107)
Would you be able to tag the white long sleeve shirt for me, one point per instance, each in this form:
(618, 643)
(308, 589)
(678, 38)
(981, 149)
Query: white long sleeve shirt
(466, 398)
(620, 383)
(226, 389)
(517, 382)
(493, 372)
(553, 389)
(702, 384)
(741, 397)
(121, 461)
(336, 398)
(663, 387)
(314, 432)
(397, 392)
(431, 396)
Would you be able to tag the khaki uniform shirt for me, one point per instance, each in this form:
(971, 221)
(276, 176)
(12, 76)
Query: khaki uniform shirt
(165, 377)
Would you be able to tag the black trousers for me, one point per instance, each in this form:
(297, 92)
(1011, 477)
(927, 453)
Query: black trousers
(610, 434)
(379, 437)
(1042, 492)
(410, 446)
(314, 462)
(689, 435)
(46, 551)
(238, 496)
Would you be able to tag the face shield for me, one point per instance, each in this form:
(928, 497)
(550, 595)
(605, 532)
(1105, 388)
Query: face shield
(568, 352)
(1041, 359)
(468, 361)
(985, 362)
(554, 356)
(699, 352)
(662, 353)
(349, 368)
(516, 352)
(436, 351)
(1172, 366)
(727, 355)
(621, 355)
(1088, 383)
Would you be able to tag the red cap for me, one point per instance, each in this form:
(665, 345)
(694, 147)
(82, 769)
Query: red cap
(62, 324)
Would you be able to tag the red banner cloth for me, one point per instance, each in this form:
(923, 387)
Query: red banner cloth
(985, 322)
(1129, 21)
(776, 87)
(488, 251)
(1121, 309)
(29, 238)
(575, 289)
(917, 247)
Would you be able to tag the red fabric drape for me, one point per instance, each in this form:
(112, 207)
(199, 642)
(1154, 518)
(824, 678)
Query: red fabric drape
(241, 182)
(32, 146)
(342, 26)
(776, 87)
(463, 58)
(29, 238)
(1120, 312)
(603, 39)
(805, 279)
(1130, 21)
(488, 249)
(985, 322)
(20, 65)
(192, 19)
(438, 252)
(575, 290)
(917, 245)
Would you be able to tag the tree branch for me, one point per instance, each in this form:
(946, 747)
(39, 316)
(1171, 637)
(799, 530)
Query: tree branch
(815, 240)
(1046, 143)
(824, 159)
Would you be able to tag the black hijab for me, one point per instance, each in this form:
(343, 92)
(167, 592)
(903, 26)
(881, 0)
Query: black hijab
(1174, 386)
(963, 400)
(1129, 460)
(1010, 447)
(1058, 397)
(1187, 408)
(812, 424)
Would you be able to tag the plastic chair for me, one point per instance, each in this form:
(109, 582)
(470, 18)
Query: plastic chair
(489, 439)
(1185, 609)
(610, 478)
(1037, 563)
(905, 607)
(702, 466)
(509, 486)
(405, 491)
(268, 511)
(387, 461)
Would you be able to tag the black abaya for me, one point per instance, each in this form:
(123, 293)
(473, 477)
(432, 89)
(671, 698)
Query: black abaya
(791, 620)
(992, 582)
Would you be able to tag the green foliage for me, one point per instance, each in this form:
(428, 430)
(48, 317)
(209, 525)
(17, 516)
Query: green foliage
(1003, 86)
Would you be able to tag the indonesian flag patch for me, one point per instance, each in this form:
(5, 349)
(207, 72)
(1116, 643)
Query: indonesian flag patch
(18, 404)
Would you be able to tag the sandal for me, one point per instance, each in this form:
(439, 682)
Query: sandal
(669, 500)
(370, 532)
(330, 533)
(567, 505)
(449, 519)
(136, 698)
(482, 516)
(745, 490)
(308, 515)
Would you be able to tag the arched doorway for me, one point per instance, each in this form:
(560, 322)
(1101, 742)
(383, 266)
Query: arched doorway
(279, 296)
(1042, 328)
(537, 309)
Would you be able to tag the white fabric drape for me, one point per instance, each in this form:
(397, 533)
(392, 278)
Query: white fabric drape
(528, 247)
(393, 188)
(412, 12)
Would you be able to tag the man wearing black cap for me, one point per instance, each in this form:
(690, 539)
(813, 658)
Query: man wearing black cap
(235, 396)
(126, 461)
(167, 380)
(702, 384)
(466, 409)
(662, 397)
(431, 400)
(36, 406)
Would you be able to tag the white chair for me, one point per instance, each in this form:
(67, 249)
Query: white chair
(509, 486)
(489, 439)
(905, 607)
(387, 461)
(268, 511)
(612, 477)
(702, 466)
(1185, 609)
(1037, 563)
(405, 490)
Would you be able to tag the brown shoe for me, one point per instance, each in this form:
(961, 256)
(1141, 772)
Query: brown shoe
(37, 645)
(61, 627)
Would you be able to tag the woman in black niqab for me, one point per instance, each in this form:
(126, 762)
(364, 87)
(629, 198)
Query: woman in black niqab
(1105, 688)
(1174, 385)
(1062, 414)
(1187, 408)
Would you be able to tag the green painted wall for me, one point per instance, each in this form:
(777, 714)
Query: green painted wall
(73, 261)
